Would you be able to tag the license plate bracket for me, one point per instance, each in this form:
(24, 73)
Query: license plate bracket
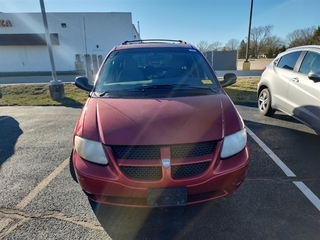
(167, 197)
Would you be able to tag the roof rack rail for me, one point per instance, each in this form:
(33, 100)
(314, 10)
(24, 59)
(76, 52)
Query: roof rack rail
(152, 40)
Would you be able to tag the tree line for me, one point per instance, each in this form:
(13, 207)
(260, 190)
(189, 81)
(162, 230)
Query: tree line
(263, 43)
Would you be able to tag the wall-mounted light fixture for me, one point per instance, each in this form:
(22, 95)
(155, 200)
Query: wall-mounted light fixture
(63, 25)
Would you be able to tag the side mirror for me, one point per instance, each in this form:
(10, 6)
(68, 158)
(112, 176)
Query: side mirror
(315, 76)
(228, 79)
(83, 83)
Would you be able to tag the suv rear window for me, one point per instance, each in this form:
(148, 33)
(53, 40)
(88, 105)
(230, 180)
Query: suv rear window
(311, 62)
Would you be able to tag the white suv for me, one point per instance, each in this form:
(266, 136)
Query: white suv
(291, 84)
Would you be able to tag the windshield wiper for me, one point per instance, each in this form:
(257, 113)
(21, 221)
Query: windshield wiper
(111, 91)
(158, 86)
(102, 94)
(169, 86)
(161, 86)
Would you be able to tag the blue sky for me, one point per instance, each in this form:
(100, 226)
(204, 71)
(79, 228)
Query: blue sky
(192, 20)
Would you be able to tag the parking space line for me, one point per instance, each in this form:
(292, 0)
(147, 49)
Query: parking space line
(4, 222)
(303, 188)
(307, 192)
(27, 199)
(272, 155)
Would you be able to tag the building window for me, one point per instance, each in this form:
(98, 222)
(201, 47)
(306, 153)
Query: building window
(27, 39)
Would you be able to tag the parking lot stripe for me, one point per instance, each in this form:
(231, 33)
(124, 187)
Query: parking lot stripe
(272, 155)
(27, 199)
(307, 192)
(303, 188)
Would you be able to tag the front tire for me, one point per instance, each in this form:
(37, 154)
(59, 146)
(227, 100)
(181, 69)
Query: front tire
(71, 168)
(264, 103)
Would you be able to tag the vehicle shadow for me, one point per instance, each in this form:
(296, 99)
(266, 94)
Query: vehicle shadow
(70, 102)
(150, 223)
(292, 145)
(279, 134)
(9, 134)
(284, 117)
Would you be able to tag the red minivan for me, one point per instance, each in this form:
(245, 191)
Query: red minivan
(158, 129)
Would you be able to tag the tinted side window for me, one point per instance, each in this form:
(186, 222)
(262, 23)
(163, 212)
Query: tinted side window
(289, 61)
(311, 62)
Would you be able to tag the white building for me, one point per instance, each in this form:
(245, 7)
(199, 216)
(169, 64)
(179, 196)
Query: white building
(23, 46)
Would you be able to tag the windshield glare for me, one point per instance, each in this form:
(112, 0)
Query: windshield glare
(134, 68)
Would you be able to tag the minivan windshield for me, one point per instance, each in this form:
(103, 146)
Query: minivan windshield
(155, 71)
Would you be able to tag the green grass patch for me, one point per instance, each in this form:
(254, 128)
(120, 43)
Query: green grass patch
(243, 91)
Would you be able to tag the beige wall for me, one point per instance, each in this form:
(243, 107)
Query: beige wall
(255, 64)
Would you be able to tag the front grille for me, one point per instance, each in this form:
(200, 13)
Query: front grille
(191, 150)
(188, 170)
(179, 151)
(142, 173)
(137, 152)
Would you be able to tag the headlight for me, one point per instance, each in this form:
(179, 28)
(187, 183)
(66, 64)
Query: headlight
(90, 150)
(234, 143)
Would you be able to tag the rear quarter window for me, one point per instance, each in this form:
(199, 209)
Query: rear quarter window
(289, 60)
(310, 63)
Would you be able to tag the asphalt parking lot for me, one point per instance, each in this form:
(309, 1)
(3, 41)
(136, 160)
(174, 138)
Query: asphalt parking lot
(39, 200)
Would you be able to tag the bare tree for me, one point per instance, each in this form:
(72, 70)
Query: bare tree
(263, 42)
(215, 46)
(232, 44)
(301, 37)
(274, 42)
(274, 45)
(259, 38)
(204, 46)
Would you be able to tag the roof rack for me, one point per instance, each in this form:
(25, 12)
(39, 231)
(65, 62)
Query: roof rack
(152, 40)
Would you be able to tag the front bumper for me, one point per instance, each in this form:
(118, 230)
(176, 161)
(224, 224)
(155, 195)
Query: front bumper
(108, 184)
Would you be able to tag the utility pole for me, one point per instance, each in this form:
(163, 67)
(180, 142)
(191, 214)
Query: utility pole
(246, 64)
(56, 87)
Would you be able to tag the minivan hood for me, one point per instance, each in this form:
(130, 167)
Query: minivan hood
(158, 121)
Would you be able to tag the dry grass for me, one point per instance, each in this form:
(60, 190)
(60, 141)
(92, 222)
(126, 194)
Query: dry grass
(38, 95)
(244, 90)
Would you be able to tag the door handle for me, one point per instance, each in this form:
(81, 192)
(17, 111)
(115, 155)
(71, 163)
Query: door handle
(295, 79)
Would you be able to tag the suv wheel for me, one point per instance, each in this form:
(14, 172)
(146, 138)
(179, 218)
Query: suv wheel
(71, 168)
(264, 103)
